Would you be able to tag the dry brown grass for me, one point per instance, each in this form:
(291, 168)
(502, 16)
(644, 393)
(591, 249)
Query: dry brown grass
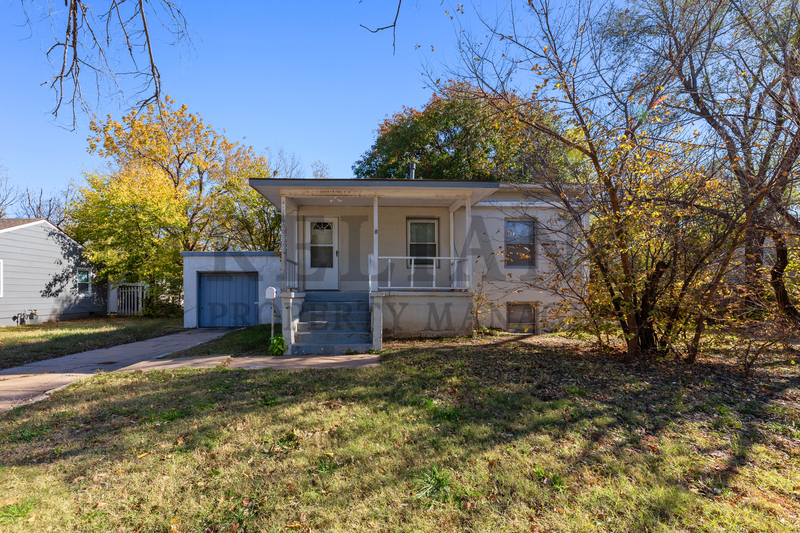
(538, 434)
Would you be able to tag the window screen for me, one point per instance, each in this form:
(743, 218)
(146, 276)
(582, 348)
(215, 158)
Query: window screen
(422, 240)
(520, 240)
(521, 318)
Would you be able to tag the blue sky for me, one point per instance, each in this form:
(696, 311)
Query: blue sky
(300, 75)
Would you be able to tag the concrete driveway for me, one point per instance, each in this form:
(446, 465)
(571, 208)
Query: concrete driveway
(34, 381)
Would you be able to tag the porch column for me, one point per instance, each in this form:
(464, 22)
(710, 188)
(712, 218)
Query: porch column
(452, 252)
(284, 234)
(467, 240)
(374, 271)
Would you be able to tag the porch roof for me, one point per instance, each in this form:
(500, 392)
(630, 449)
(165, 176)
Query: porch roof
(360, 192)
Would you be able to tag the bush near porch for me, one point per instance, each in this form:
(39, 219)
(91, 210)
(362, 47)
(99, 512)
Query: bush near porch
(491, 434)
(36, 342)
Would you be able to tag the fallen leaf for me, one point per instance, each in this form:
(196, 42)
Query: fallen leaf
(142, 455)
(10, 502)
(294, 526)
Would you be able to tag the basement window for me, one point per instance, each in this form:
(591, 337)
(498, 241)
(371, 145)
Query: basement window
(521, 317)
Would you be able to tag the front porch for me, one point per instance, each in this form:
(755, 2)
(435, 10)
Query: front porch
(404, 244)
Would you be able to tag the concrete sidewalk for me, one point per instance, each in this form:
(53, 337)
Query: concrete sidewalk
(299, 363)
(33, 381)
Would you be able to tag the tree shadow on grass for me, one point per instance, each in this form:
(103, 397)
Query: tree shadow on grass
(482, 399)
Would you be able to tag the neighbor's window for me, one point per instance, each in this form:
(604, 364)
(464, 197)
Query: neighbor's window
(521, 317)
(520, 241)
(84, 281)
(422, 240)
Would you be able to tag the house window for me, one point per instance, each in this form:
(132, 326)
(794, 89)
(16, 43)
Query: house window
(423, 240)
(84, 281)
(520, 241)
(521, 317)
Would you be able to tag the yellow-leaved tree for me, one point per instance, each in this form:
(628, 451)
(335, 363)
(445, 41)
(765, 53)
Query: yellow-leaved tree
(175, 185)
(200, 164)
(132, 222)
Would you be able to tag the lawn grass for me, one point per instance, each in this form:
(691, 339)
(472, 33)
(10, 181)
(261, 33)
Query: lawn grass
(248, 341)
(493, 434)
(26, 344)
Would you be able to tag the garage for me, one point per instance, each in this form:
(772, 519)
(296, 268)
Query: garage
(227, 289)
(228, 300)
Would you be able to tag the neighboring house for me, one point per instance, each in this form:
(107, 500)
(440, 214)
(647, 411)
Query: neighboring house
(364, 260)
(43, 275)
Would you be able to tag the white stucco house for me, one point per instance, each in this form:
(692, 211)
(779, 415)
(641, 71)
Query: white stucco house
(365, 260)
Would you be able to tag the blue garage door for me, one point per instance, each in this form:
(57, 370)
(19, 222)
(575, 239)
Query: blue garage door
(228, 300)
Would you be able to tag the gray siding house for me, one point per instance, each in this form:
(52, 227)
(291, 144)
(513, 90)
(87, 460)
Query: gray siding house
(43, 276)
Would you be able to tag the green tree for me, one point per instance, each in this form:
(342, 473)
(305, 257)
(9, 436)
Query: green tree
(462, 133)
(252, 223)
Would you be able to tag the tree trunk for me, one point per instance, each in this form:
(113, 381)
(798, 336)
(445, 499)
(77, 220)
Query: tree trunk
(753, 262)
(777, 278)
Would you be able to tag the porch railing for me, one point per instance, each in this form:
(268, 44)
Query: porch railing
(417, 266)
(291, 278)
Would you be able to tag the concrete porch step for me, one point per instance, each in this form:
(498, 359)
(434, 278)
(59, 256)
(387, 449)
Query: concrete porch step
(336, 296)
(332, 325)
(345, 307)
(330, 349)
(334, 316)
(333, 337)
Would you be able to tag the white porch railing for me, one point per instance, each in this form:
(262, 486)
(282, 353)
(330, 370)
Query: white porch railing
(129, 299)
(292, 279)
(458, 280)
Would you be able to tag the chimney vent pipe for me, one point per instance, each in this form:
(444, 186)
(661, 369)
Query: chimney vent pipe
(412, 171)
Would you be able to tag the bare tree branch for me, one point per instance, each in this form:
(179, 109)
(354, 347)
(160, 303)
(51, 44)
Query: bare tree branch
(392, 26)
(105, 42)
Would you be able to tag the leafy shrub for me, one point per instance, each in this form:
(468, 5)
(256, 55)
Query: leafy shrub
(161, 308)
(277, 346)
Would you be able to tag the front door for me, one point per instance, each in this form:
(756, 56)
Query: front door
(322, 253)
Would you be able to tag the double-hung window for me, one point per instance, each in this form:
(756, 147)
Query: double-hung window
(423, 240)
(84, 282)
(520, 241)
